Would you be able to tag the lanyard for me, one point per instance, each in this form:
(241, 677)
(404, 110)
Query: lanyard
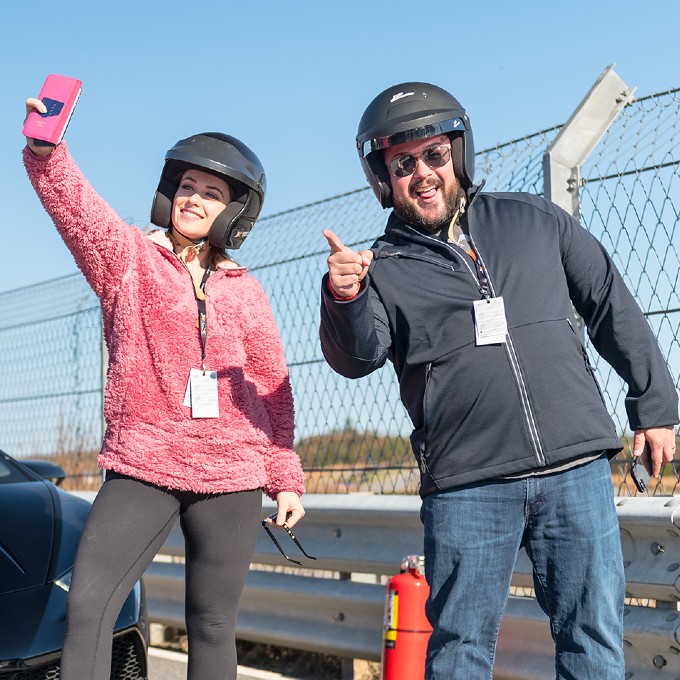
(202, 315)
(484, 285)
(455, 233)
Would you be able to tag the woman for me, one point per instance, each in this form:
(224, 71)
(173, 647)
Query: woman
(198, 404)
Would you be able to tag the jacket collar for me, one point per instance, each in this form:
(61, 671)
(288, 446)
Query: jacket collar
(397, 229)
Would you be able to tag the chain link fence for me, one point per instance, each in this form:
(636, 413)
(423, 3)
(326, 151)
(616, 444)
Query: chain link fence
(50, 369)
(630, 201)
(353, 435)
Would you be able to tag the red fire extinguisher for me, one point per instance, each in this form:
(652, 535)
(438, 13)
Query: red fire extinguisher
(406, 629)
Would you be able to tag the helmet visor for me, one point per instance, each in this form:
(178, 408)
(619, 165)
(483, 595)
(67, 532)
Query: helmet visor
(416, 133)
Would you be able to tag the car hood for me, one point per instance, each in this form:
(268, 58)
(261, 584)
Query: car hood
(39, 533)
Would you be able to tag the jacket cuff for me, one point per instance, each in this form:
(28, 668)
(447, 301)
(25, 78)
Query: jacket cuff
(284, 473)
(339, 298)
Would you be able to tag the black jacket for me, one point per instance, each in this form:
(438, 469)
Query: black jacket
(482, 412)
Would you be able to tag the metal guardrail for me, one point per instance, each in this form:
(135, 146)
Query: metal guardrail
(336, 604)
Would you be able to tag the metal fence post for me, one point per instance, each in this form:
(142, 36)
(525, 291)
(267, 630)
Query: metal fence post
(578, 137)
(563, 159)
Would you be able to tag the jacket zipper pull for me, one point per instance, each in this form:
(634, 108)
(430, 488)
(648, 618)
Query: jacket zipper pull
(423, 464)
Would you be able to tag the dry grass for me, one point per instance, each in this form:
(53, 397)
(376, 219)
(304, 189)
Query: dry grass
(295, 663)
(386, 474)
(340, 479)
(366, 670)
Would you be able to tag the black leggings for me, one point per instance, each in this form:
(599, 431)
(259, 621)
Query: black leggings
(127, 525)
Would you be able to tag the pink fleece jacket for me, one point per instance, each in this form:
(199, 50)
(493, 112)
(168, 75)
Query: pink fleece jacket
(149, 316)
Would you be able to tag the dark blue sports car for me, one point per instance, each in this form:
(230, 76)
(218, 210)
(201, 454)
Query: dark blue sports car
(40, 526)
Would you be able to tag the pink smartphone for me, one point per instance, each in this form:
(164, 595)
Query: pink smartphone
(60, 95)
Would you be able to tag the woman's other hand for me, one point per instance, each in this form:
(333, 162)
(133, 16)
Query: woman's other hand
(289, 509)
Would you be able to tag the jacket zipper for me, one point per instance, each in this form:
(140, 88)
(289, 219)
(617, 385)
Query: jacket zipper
(529, 417)
(589, 367)
(423, 444)
(449, 246)
(429, 260)
(422, 448)
(201, 321)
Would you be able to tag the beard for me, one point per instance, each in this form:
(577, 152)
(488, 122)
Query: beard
(413, 214)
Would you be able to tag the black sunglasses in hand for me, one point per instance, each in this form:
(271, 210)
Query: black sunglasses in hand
(265, 524)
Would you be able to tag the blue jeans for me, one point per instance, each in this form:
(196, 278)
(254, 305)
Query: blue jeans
(567, 523)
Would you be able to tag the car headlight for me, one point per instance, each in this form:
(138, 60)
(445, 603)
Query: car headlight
(64, 581)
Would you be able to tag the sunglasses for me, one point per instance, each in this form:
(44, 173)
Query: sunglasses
(265, 524)
(435, 157)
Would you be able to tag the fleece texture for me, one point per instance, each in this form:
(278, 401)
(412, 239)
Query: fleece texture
(149, 316)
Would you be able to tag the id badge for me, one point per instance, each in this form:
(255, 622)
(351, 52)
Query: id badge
(491, 326)
(201, 394)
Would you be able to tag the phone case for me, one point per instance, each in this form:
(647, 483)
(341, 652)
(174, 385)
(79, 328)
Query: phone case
(639, 475)
(60, 95)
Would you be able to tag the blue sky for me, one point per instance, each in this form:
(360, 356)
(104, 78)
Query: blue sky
(291, 79)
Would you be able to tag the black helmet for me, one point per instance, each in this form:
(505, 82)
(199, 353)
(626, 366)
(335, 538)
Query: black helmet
(226, 157)
(408, 112)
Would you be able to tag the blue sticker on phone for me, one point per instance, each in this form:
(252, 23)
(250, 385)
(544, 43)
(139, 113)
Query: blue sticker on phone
(54, 107)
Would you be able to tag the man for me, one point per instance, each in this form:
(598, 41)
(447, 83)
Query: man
(469, 294)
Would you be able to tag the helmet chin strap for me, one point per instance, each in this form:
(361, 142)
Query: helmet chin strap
(187, 251)
(454, 230)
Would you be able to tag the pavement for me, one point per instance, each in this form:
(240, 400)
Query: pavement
(168, 665)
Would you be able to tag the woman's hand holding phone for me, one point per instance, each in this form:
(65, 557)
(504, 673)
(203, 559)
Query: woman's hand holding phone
(48, 115)
(34, 104)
